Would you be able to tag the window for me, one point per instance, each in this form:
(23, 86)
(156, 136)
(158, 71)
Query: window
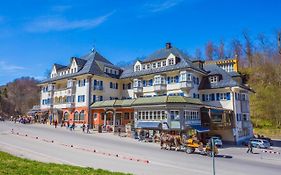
(214, 79)
(81, 98)
(159, 80)
(82, 115)
(81, 82)
(163, 63)
(148, 66)
(126, 116)
(159, 64)
(150, 115)
(174, 115)
(191, 115)
(66, 116)
(137, 67)
(171, 61)
(94, 98)
(129, 86)
(101, 98)
(154, 65)
(76, 116)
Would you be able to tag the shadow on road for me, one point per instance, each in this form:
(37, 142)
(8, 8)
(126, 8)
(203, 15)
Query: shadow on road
(224, 156)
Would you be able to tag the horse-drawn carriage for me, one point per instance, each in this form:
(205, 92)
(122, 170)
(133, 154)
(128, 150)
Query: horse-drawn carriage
(189, 145)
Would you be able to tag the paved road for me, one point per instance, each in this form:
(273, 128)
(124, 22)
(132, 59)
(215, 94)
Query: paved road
(100, 150)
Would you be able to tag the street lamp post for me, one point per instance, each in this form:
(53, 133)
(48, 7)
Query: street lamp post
(213, 155)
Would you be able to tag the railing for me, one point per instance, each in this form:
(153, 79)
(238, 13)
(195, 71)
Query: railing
(138, 89)
(160, 87)
(186, 84)
(98, 88)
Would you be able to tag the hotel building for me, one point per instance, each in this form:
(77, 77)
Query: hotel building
(165, 91)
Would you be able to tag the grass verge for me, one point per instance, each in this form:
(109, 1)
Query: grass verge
(13, 165)
(268, 132)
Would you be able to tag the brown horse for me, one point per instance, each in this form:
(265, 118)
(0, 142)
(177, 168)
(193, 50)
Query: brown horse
(170, 141)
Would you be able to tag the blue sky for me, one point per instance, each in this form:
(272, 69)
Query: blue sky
(34, 34)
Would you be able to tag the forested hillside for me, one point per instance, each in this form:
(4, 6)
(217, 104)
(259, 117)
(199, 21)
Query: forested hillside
(17, 97)
(260, 63)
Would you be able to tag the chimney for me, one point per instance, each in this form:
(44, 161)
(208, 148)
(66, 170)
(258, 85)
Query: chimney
(168, 45)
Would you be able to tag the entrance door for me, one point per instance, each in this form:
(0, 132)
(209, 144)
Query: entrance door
(118, 119)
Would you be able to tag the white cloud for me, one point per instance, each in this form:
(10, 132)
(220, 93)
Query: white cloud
(9, 68)
(161, 6)
(47, 24)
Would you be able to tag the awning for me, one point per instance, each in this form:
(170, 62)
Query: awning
(199, 128)
(149, 125)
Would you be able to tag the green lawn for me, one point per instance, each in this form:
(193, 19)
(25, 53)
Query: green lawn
(14, 165)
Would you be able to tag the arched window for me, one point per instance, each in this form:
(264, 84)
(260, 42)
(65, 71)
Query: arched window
(66, 116)
(76, 116)
(60, 99)
(81, 115)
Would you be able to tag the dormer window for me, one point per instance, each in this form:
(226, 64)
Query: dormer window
(138, 68)
(163, 63)
(154, 65)
(171, 61)
(214, 79)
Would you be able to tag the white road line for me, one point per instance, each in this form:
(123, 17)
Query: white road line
(37, 153)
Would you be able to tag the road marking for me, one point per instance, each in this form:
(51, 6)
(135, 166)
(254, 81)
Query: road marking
(40, 154)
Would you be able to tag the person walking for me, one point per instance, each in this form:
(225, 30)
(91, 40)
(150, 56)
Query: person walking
(67, 124)
(73, 126)
(88, 129)
(83, 127)
(250, 147)
(56, 123)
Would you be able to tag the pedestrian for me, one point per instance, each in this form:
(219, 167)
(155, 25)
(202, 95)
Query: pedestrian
(56, 123)
(83, 127)
(67, 124)
(88, 129)
(250, 147)
(73, 126)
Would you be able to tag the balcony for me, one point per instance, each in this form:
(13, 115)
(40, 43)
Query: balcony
(138, 89)
(62, 92)
(98, 88)
(186, 85)
(160, 87)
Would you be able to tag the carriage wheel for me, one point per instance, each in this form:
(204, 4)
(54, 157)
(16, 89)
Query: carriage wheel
(190, 150)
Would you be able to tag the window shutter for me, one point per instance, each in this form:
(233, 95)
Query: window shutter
(101, 83)
(177, 79)
(123, 86)
(197, 79)
(193, 95)
(116, 85)
(111, 85)
(95, 82)
(150, 82)
(212, 97)
(228, 95)
(203, 97)
(218, 96)
(144, 83)
(168, 80)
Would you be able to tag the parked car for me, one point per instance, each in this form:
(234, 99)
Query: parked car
(265, 138)
(260, 143)
(2, 119)
(217, 141)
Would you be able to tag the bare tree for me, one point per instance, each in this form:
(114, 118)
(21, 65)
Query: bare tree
(248, 48)
(237, 48)
(209, 51)
(221, 50)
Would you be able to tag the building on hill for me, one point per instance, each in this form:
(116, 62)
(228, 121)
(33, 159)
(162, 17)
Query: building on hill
(165, 91)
